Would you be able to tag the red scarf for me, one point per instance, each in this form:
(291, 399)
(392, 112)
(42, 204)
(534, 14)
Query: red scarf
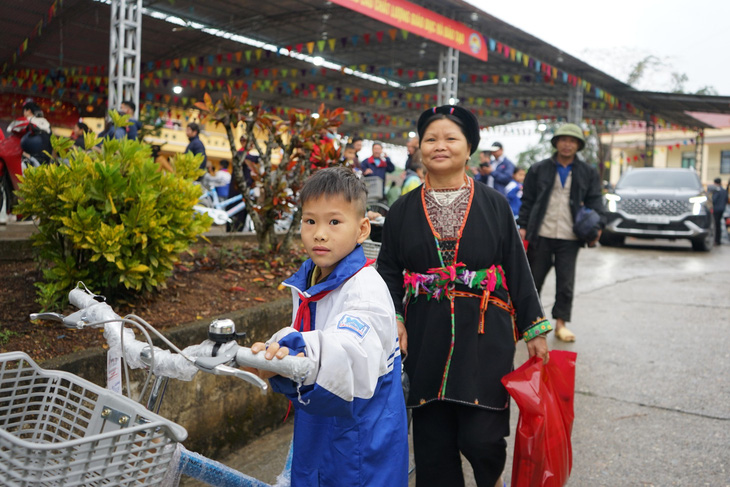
(303, 320)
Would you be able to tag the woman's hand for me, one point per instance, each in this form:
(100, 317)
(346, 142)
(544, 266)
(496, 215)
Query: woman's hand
(538, 346)
(402, 337)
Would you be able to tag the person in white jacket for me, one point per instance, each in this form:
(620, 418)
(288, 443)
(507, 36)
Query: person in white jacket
(350, 425)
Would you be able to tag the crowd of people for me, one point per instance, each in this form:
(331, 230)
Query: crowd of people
(464, 256)
(462, 291)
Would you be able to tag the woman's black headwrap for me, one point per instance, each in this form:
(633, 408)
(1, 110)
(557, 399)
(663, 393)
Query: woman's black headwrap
(468, 122)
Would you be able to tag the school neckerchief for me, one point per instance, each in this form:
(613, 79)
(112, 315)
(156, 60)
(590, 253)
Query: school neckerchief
(303, 320)
(346, 268)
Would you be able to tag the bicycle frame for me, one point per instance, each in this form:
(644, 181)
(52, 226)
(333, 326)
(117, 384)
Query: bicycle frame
(212, 356)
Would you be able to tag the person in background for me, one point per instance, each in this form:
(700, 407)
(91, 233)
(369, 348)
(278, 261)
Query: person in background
(220, 179)
(463, 293)
(553, 192)
(127, 107)
(719, 202)
(481, 172)
(513, 190)
(357, 144)
(162, 161)
(412, 148)
(414, 177)
(195, 146)
(36, 142)
(349, 158)
(377, 164)
(78, 132)
(500, 168)
(350, 426)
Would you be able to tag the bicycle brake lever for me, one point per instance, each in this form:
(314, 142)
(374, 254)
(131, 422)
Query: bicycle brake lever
(222, 369)
(47, 316)
(74, 320)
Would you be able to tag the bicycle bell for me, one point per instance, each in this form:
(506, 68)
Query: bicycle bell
(223, 331)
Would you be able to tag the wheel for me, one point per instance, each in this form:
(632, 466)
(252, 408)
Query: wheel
(704, 244)
(611, 240)
(378, 207)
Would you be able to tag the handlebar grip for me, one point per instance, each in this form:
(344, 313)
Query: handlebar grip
(81, 298)
(292, 367)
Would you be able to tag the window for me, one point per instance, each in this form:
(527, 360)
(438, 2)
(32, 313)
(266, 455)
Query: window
(725, 162)
(688, 160)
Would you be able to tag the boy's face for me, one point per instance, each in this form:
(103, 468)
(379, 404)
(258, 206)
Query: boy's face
(350, 154)
(331, 228)
(519, 176)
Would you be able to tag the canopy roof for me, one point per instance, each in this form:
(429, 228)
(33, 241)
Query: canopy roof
(61, 50)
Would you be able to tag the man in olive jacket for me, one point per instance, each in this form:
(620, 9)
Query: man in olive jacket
(553, 192)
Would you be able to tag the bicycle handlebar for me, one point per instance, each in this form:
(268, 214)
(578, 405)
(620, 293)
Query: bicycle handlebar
(181, 366)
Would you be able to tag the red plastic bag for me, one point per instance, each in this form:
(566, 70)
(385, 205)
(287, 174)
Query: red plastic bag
(544, 395)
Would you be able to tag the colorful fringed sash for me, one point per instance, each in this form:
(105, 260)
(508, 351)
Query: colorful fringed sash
(440, 282)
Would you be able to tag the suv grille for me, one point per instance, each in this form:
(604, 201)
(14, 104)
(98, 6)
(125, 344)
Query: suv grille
(650, 206)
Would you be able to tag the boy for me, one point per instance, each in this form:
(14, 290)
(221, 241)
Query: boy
(349, 158)
(350, 426)
(513, 190)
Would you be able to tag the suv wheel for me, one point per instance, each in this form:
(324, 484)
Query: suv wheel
(704, 244)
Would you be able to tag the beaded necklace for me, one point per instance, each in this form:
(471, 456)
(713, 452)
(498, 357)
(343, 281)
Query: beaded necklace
(449, 242)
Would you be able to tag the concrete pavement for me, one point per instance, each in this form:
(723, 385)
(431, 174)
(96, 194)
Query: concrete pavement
(652, 403)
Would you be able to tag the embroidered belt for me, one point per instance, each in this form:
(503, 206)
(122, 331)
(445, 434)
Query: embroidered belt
(486, 298)
(440, 282)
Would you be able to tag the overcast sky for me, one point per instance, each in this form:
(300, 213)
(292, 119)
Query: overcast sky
(688, 37)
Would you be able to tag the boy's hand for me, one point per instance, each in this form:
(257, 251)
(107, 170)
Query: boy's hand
(273, 350)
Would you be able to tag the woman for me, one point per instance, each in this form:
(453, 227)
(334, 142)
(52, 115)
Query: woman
(458, 275)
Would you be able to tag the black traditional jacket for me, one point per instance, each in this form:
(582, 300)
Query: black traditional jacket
(461, 340)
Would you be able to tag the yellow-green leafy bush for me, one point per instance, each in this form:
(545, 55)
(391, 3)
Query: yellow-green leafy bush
(109, 218)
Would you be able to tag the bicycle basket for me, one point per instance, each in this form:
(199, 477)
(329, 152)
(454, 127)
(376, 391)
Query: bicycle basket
(57, 429)
(371, 249)
(374, 186)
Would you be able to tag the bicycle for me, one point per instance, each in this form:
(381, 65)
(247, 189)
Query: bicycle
(219, 210)
(59, 429)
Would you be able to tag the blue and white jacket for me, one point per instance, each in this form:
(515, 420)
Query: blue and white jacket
(350, 425)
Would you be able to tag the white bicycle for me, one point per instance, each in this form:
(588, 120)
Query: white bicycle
(57, 429)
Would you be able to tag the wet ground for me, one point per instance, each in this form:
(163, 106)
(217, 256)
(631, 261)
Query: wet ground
(652, 403)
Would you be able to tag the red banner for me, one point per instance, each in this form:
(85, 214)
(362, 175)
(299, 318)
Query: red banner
(420, 21)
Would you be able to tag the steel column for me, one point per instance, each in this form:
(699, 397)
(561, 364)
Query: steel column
(448, 77)
(699, 152)
(575, 104)
(125, 52)
(650, 142)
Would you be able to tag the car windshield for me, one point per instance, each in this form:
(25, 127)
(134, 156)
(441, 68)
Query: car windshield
(659, 179)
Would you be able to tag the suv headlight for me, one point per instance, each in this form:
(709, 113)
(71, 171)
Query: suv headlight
(697, 202)
(612, 200)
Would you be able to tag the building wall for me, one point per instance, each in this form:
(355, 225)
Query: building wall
(627, 151)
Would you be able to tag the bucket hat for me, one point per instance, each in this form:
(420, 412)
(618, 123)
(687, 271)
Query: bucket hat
(571, 130)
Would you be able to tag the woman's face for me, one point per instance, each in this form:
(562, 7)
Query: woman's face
(444, 148)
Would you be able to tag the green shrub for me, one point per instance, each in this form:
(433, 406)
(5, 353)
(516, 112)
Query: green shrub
(109, 218)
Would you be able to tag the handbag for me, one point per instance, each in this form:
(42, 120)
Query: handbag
(587, 224)
(543, 455)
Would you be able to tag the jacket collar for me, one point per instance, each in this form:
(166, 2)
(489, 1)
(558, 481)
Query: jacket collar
(345, 269)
